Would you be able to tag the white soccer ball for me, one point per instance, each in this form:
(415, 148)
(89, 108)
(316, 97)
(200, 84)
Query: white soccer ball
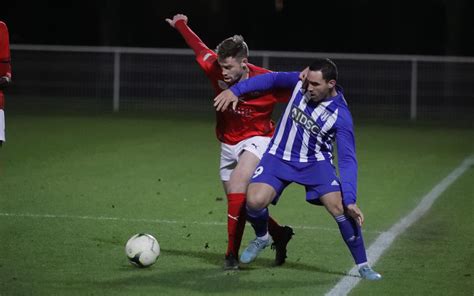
(142, 250)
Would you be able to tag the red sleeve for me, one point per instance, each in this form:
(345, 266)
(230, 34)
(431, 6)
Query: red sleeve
(5, 69)
(204, 56)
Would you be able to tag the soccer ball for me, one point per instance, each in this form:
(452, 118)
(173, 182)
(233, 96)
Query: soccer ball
(142, 250)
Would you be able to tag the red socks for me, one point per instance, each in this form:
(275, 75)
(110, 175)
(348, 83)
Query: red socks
(236, 217)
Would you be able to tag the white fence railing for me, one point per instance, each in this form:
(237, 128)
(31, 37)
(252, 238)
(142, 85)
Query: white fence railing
(401, 85)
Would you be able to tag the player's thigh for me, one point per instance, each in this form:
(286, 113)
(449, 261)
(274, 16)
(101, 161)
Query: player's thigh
(228, 162)
(332, 201)
(260, 195)
(248, 153)
(245, 168)
(274, 173)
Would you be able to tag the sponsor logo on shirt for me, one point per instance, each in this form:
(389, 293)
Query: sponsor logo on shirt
(305, 121)
(242, 111)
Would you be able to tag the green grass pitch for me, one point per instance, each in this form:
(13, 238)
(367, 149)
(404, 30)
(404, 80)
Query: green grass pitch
(74, 189)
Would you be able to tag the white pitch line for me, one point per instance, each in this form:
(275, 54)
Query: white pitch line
(384, 240)
(154, 221)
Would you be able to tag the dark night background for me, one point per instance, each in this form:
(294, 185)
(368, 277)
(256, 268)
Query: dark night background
(437, 27)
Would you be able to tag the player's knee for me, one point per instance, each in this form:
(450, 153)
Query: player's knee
(336, 209)
(259, 196)
(333, 203)
(256, 201)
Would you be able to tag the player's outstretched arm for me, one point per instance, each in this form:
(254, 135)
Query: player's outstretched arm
(177, 17)
(264, 82)
(231, 96)
(180, 23)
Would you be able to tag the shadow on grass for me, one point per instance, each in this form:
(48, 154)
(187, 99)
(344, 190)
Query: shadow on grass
(218, 260)
(214, 280)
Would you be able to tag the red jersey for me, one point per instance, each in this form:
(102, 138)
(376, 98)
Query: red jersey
(5, 68)
(252, 117)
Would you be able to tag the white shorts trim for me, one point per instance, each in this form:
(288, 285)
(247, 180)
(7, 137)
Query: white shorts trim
(2, 126)
(230, 153)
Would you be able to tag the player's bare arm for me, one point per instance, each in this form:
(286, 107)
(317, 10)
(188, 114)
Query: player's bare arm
(224, 99)
(176, 18)
(356, 214)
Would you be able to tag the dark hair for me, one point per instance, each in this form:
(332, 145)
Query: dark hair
(326, 66)
(234, 46)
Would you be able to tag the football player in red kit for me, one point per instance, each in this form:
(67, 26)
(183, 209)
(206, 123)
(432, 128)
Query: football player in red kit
(244, 133)
(5, 74)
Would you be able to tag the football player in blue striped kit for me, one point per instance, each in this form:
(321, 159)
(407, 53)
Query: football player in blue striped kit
(301, 151)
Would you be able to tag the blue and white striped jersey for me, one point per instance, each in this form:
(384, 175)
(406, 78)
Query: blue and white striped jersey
(307, 130)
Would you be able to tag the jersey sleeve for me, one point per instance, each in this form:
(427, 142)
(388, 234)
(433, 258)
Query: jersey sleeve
(5, 66)
(204, 56)
(264, 82)
(347, 161)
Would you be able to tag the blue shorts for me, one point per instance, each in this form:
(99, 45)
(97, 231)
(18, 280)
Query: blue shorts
(318, 177)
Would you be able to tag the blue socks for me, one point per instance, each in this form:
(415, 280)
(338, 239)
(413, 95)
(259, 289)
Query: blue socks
(350, 231)
(259, 221)
(352, 235)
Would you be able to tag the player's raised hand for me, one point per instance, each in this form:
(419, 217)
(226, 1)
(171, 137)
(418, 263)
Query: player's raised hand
(356, 214)
(304, 74)
(176, 18)
(302, 77)
(224, 99)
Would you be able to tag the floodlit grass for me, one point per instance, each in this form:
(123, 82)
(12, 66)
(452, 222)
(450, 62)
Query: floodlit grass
(436, 255)
(74, 189)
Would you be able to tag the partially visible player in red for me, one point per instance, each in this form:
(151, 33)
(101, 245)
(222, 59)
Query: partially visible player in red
(5, 74)
(244, 133)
